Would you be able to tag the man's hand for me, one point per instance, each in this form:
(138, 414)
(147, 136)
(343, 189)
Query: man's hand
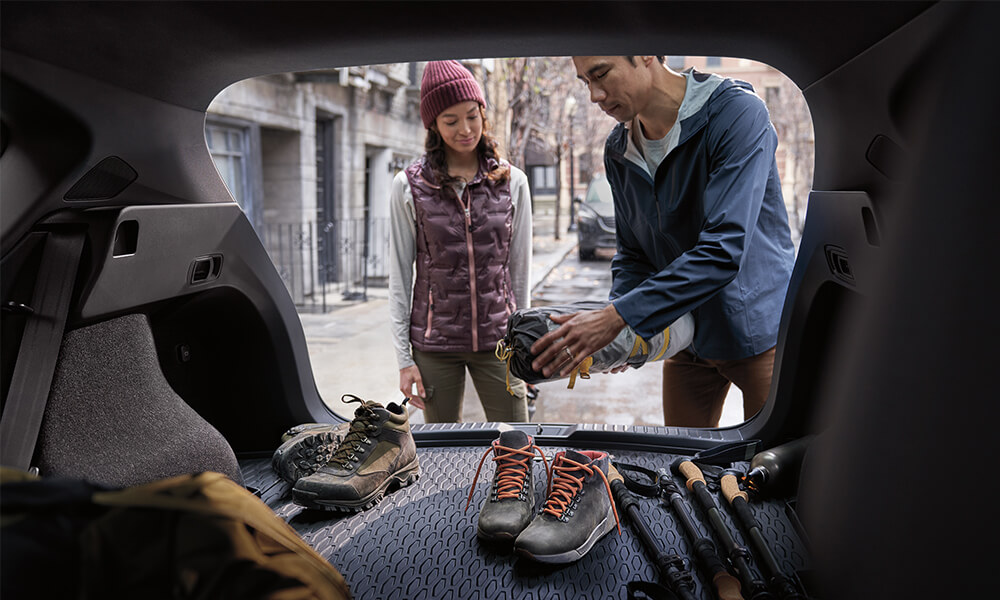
(579, 335)
(407, 377)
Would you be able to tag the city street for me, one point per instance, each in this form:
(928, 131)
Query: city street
(351, 350)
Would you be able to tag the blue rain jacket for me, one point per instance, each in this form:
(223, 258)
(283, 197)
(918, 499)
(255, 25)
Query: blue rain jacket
(709, 233)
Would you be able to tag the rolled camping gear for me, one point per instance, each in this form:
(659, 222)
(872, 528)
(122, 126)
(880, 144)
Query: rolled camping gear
(672, 567)
(783, 585)
(739, 556)
(526, 326)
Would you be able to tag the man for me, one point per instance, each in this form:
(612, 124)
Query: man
(701, 227)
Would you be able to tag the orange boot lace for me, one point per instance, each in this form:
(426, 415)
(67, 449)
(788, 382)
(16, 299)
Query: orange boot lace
(512, 468)
(566, 486)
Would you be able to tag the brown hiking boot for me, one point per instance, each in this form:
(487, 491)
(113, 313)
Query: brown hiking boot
(305, 448)
(377, 453)
(579, 510)
(511, 503)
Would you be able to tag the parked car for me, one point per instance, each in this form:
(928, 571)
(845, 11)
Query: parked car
(174, 345)
(595, 218)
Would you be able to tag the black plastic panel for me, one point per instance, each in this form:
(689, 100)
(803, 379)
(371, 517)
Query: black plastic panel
(419, 543)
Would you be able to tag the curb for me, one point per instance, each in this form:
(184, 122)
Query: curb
(555, 263)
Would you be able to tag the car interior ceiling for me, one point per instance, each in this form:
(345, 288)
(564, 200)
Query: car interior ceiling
(885, 345)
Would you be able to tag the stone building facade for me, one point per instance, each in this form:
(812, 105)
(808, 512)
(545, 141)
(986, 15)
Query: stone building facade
(310, 157)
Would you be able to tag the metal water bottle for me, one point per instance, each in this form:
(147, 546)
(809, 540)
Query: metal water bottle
(775, 472)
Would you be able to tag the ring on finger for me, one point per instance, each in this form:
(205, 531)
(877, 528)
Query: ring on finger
(568, 352)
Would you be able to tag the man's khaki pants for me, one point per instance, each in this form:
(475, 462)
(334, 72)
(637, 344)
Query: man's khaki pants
(694, 389)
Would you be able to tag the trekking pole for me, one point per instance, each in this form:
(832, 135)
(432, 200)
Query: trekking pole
(737, 498)
(738, 555)
(726, 586)
(671, 566)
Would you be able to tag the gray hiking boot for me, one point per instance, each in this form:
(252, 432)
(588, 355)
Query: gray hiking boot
(511, 504)
(378, 452)
(305, 448)
(578, 511)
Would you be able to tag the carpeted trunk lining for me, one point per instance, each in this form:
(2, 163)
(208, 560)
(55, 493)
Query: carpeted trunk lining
(113, 419)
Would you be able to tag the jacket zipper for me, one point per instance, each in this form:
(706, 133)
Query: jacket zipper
(472, 267)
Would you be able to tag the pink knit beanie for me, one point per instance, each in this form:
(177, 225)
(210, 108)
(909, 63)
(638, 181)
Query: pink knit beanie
(446, 83)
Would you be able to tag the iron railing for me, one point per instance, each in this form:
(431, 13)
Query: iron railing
(326, 263)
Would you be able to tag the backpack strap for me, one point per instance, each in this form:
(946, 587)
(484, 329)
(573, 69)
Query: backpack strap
(39, 350)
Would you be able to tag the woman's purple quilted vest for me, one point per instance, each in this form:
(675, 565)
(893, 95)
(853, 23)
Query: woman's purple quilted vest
(453, 311)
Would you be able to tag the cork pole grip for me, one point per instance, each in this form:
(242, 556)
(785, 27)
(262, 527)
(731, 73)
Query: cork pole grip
(731, 488)
(614, 475)
(727, 586)
(691, 472)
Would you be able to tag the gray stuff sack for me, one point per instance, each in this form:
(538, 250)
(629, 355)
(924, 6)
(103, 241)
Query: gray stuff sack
(526, 326)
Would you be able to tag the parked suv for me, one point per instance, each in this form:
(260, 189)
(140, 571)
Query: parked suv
(595, 218)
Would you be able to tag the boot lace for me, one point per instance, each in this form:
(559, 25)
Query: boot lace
(563, 495)
(511, 469)
(365, 422)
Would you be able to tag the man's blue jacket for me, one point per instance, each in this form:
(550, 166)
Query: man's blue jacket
(709, 233)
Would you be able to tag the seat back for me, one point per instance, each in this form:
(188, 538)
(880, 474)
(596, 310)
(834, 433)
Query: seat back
(113, 419)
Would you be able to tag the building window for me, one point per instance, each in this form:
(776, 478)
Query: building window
(713, 61)
(676, 62)
(228, 146)
(543, 179)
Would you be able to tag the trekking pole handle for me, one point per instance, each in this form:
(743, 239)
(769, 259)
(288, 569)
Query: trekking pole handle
(731, 488)
(727, 586)
(691, 473)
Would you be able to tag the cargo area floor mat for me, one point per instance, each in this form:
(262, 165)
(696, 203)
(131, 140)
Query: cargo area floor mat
(419, 543)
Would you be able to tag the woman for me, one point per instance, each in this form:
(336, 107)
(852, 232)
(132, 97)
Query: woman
(463, 217)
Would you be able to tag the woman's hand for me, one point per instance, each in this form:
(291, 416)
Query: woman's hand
(407, 377)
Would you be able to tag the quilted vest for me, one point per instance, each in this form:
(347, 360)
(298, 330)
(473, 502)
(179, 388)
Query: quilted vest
(462, 292)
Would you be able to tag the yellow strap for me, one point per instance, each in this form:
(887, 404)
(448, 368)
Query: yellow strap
(666, 342)
(503, 353)
(583, 370)
(640, 345)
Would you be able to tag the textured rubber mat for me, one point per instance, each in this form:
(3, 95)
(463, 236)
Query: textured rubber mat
(419, 543)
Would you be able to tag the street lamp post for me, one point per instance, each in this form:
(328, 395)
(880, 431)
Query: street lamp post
(571, 111)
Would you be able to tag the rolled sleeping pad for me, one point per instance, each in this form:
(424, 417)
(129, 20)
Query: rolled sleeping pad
(526, 326)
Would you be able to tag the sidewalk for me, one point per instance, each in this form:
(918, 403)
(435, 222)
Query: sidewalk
(351, 350)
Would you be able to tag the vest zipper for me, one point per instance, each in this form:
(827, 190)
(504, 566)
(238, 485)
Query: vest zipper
(472, 268)
(430, 314)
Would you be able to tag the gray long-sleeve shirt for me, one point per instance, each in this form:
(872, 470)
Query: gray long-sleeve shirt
(403, 252)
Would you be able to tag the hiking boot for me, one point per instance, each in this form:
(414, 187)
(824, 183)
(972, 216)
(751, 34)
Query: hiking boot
(511, 503)
(305, 448)
(579, 510)
(377, 452)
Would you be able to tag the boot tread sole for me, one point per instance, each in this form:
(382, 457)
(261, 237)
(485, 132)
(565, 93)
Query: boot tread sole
(309, 455)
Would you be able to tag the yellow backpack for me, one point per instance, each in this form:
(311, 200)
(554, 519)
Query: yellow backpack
(199, 536)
